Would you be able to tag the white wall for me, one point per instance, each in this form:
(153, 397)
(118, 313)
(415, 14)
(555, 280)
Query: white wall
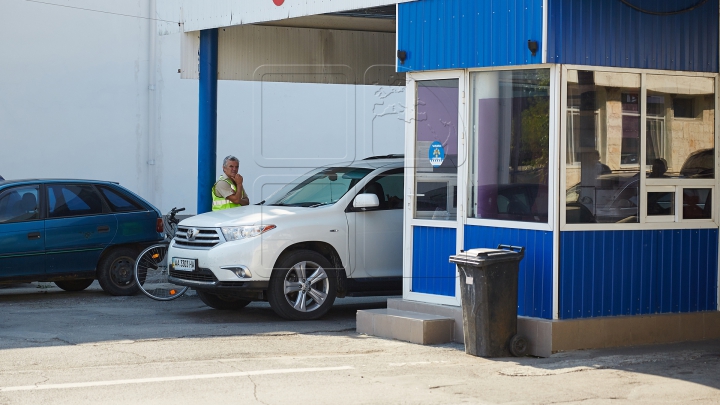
(76, 100)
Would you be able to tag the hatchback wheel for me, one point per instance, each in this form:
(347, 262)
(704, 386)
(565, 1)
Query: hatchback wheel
(303, 286)
(115, 271)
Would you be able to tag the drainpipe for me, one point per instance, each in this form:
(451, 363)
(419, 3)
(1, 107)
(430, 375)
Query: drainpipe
(207, 119)
(152, 108)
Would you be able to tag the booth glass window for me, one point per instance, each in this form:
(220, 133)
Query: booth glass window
(603, 127)
(697, 203)
(510, 145)
(605, 154)
(681, 139)
(436, 149)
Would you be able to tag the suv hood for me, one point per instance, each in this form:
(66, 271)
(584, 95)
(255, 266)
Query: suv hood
(247, 215)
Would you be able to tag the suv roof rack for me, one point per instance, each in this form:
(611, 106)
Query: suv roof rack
(391, 156)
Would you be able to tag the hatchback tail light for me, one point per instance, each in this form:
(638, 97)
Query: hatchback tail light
(159, 225)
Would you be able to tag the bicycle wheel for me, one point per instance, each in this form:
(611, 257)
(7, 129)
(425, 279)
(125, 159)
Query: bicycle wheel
(151, 274)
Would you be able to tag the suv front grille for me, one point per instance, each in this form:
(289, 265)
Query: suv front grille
(204, 238)
(198, 275)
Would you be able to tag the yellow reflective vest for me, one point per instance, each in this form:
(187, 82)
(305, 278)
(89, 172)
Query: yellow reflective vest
(221, 203)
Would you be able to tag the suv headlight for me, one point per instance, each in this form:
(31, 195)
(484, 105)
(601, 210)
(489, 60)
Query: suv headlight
(241, 232)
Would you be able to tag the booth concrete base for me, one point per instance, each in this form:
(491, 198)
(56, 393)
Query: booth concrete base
(550, 336)
(424, 323)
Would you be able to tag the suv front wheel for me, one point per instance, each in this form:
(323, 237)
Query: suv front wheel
(303, 286)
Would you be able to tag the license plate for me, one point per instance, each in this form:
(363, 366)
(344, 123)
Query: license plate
(183, 264)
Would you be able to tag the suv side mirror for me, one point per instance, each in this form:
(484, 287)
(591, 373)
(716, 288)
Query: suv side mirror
(366, 201)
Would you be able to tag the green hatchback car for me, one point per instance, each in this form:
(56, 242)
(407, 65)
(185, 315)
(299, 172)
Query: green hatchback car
(72, 232)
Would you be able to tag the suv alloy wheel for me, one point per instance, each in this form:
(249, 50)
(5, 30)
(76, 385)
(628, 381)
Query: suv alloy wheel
(303, 286)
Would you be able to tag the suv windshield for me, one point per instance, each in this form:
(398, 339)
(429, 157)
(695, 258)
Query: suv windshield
(322, 186)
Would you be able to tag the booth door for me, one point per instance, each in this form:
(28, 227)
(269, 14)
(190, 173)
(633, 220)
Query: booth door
(433, 155)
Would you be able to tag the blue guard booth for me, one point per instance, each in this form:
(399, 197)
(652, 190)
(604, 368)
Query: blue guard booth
(583, 130)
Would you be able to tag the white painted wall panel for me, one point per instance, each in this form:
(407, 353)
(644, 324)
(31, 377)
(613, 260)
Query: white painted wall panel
(199, 15)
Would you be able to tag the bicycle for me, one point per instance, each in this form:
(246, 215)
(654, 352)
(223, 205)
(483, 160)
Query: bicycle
(151, 267)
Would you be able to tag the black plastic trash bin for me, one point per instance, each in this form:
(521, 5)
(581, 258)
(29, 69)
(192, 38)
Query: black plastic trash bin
(489, 290)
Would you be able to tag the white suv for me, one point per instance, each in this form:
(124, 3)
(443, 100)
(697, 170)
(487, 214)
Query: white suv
(334, 232)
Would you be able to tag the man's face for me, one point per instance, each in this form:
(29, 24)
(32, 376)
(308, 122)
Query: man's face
(231, 169)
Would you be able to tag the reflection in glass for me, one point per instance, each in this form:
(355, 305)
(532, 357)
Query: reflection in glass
(19, 204)
(697, 203)
(681, 126)
(510, 155)
(436, 167)
(603, 147)
(660, 203)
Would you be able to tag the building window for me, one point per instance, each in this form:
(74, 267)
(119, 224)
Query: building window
(683, 107)
(630, 146)
(510, 145)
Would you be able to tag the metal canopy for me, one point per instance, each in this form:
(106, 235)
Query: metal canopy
(353, 46)
(198, 15)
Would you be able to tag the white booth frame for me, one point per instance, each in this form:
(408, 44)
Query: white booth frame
(644, 183)
(464, 143)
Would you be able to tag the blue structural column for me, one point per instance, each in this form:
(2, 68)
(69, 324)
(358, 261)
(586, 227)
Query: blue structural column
(207, 118)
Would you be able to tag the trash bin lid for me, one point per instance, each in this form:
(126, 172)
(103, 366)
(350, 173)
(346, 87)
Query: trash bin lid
(485, 256)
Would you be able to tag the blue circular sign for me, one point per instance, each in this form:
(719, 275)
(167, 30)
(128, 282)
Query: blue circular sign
(436, 154)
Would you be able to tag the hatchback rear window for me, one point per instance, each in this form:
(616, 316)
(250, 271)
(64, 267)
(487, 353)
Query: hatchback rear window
(69, 200)
(118, 201)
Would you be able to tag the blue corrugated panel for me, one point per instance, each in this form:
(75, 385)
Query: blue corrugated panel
(609, 33)
(451, 34)
(606, 273)
(432, 272)
(535, 282)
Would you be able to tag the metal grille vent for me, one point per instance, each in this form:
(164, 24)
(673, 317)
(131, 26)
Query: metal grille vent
(197, 238)
(201, 275)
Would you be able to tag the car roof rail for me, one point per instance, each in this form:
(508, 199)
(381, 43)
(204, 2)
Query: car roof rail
(391, 156)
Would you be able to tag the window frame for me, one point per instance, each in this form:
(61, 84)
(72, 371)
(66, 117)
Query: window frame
(105, 208)
(645, 184)
(553, 158)
(40, 202)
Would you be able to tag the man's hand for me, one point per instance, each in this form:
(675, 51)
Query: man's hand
(238, 179)
(239, 197)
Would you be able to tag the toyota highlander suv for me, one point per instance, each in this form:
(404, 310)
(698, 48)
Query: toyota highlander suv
(334, 232)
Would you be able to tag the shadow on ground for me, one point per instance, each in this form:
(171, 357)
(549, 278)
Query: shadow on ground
(40, 314)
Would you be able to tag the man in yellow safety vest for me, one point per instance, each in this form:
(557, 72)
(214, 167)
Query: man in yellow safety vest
(228, 192)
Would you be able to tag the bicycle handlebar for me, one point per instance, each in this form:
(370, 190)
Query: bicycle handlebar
(171, 216)
(176, 210)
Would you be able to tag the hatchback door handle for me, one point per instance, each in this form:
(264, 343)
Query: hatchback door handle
(34, 235)
(103, 228)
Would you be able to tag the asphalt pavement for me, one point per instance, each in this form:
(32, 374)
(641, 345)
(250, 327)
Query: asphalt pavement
(89, 347)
